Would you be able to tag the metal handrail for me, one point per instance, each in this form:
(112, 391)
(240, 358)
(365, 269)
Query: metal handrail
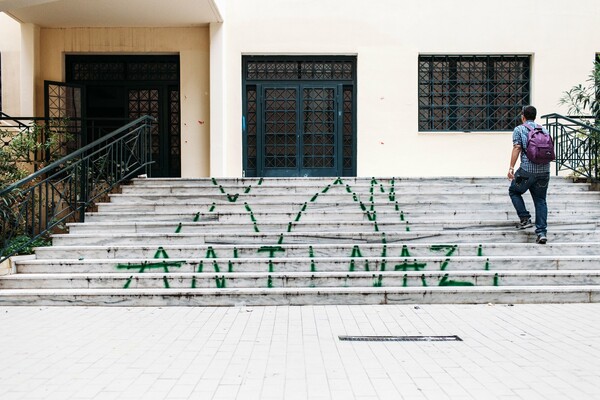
(577, 144)
(63, 190)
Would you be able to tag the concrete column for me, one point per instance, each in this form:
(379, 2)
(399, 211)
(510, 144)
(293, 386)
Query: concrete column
(30, 38)
(218, 89)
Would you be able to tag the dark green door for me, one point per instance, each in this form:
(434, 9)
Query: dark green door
(299, 116)
(300, 133)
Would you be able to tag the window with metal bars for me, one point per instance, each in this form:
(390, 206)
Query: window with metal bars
(472, 93)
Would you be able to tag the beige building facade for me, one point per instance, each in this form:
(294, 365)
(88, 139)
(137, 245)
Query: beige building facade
(327, 87)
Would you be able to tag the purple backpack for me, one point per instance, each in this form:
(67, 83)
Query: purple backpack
(540, 147)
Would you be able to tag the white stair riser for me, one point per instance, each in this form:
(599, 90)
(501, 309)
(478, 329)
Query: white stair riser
(445, 237)
(366, 250)
(309, 265)
(234, 297)
(391, 280)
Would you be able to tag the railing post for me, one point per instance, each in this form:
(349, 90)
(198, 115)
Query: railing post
(83, 189)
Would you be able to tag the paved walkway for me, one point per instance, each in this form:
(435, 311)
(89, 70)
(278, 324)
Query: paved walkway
(507, 352)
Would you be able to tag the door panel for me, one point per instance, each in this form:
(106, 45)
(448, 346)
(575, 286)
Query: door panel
(299, 131)
(280, 128)
(146, 101)
(319, 132)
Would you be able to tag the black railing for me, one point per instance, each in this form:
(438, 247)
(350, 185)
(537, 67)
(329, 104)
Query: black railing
(62, 191)
(577, 144)
(19, 132)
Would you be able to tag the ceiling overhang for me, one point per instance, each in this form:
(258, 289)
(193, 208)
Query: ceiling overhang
(113, 13)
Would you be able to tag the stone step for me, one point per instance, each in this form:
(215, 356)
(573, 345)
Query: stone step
(299, 279)
(345, 215)
(306, 264)
(503, 206)
(298, 198)
(301, 226)
(266, 238)
(324, 181)
(317, 250)
(301, 296)
(381, 189)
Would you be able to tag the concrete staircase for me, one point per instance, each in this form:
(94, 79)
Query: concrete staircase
(317, 241)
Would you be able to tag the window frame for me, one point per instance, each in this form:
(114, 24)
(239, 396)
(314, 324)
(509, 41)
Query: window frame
(446, 83)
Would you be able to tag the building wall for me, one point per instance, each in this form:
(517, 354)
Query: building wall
(387, 36)
(192, 45)
(10, 50)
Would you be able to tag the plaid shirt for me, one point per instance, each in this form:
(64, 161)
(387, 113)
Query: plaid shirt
(520, 135)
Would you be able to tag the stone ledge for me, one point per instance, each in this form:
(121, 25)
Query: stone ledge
(9, 267)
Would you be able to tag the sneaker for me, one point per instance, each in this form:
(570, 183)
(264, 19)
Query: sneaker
(525, 223)
(541, 239)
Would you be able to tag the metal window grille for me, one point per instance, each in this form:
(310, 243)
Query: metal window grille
(122, 68)
(292, 70)
(472, 93)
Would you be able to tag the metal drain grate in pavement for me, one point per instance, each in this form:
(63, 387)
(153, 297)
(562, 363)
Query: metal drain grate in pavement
(452, 338)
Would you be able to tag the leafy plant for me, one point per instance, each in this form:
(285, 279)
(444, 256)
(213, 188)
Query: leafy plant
(583, 103)
(20, 245)
(584, 99)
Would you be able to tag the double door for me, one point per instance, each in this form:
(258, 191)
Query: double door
(299, 129)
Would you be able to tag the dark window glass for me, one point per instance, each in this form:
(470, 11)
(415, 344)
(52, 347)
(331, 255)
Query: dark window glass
(472, 93)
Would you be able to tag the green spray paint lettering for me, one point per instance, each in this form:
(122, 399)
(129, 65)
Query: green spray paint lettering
(220, 282)
(314, 197)
(212, 207)
(233, 199)
(178, 230)
(326, 189)
(414, 266)
(383, 265)
(210, 252)
(377, 280)
(197, 217)
(445, 281)
(247, 190)
(298, 216)
(271, 250)
(216, 266)
(356, 252)
(338, 181)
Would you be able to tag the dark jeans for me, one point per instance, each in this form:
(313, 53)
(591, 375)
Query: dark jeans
(537, 184)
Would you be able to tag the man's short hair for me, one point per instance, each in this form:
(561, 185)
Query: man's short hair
(529, 112)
